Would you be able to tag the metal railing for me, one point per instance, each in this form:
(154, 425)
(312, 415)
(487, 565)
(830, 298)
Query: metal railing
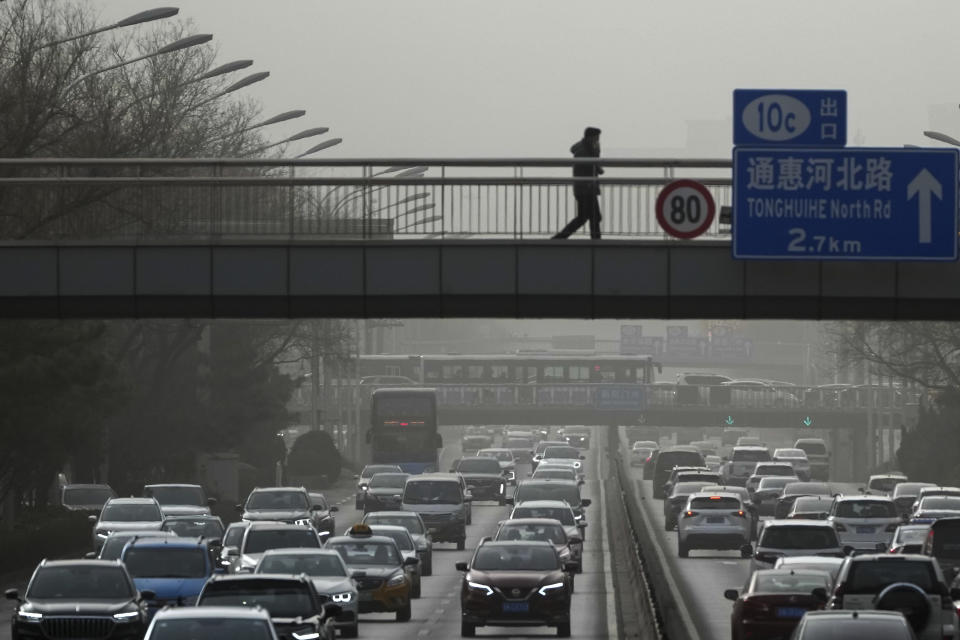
(414, 198)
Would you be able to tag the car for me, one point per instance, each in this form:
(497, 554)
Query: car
(330, 576)
(232, 539)
(561, 512)
(521, 444)
(324, 520)
(929, 492)
(413, 523)
(773, 602)
(700, 388)
(884, 483)
(112, 547)
(569, 548)
(674, 504)
(810, 508)
(780, 538)
(760, 393)
(762, 469)
(295, 608)
(180, 499)
(943, 543)
(641, 451)
(578, 437)
(750, 441)
(909, 538)
(470, 444)
(408, 549)
(713, 462)
(829, 565)
(383, 491)
(794, 490)
(767, 491)
(79, 598)
(509, 584)
(742, 462)
(745, 500)
(689, 474)
(555, 472)
(263, 536)
(931, 508)
(363, 478)
(910, 583)
(504, 457)
(563, 463)
(905, 494)
(290, 505)
(211, 623)
(484, 478)
(85, 497)
(667, 459)
(563, 452)
(440, 501)
(537, 453)
(713, 521)
(866, 523)
(552, 490)
(209, 527)
(817, 454)
(173, 568)
(876, 625)
(797, 458)
(379, 569)
(125, 514)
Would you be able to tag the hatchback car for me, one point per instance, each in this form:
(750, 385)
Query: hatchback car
(713, 521)
(773, 602)
(866, 523)
(905, 494)
(674, 504)
(263, 536)
(504, 457)
(763, 469)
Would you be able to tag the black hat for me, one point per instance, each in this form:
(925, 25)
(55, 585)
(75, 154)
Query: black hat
(591, 131)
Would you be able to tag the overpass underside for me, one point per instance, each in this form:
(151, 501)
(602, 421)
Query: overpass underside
(462, 278)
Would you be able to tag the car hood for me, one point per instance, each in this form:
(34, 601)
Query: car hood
(107, 525)
(385, 491)
(481, 476)
(334, 584)
(527, 579)
(184, 510)
(374, 571)
(171, 588)
(432, 508)
(276, 514)
(82, 607)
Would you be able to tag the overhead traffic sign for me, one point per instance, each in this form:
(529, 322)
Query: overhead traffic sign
(685, 209)
(789, 118)
(845, 204)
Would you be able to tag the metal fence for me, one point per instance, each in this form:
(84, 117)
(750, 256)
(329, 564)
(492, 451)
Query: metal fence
(92, 199)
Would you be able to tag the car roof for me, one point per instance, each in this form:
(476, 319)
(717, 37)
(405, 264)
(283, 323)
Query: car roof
(892, 557)
(816, 524)
(140, 534)
(858, 613)
(247, 577)
(81, 562)
(810, 559)
(751, 447)
(176, 484)
(544, 504)
(86, 486)
(516, 543)
(301, 551)
(723, 488)
(413, 515)
(198, 516)
(271, 524)
(132, 501)
(219, 612)
(262, 489)
(387, 527)
(423, 477)
(867, 497)
(543, 482)
(552, 521)
(180, 542)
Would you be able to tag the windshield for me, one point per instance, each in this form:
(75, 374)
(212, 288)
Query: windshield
(145, 562)
(940, 503)
(810, 505)
(372, 469)
(233, 536)
(885, 484)
(402, 538)
(773, 483)
(312, 564)
(131, 513)
(551, 533)
(873, 576)
(502, 456)
(777, 582)
(813, 448)
(562, 452)
(81, 496)
(478, 465)
(260, 540)
(388, 480)
(210, 629)
(278, 500)
(515, 558)
(564, 515)
(866, 509)
(284, 599)
(912, 535)
(410, 524)
(775, 470)
(750, 455)
(432, 492)
(194, 528)
(369, 553)
(177, 495)
(566, 492)
(80, 583)
(799, 538)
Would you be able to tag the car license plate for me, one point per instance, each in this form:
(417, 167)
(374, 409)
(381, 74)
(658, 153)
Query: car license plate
(790, 612)
(716, 520)
(865, 529)
(516, 607)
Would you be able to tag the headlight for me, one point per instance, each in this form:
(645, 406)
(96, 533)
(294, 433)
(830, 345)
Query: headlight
(576, 465)
(577, 518)
(346, 596)
(306, 634)
(398, 579)
(127, 616)
(550, 587)
(565, 552)
(502, 487)
(29, 616)
(487, 591)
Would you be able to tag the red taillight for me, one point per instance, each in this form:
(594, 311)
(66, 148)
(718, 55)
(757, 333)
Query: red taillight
(739, 514)
(648, 458)
(689, 514)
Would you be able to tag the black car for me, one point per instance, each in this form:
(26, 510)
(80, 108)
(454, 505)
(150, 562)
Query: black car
(565, 490)
(80, 599)
(295, 608)
(383, 492)
(323, 514)
(290, 505)
(484, 478)
(515, 584)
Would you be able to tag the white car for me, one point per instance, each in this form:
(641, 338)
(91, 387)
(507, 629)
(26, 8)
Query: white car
(926, 492)
(713, 521)
(797, 458)
(780, 538)
(768, 469)
(866, 523)
(885, 483)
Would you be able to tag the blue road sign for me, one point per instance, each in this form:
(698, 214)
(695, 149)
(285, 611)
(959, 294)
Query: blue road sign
(789, 118)
(845, 204)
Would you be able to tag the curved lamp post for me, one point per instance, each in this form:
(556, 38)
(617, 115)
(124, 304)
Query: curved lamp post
(138, 18)
(942, 137)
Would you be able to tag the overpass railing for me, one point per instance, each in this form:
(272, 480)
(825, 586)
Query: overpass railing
(415, 198)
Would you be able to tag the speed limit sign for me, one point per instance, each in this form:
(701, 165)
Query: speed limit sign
(685, 209)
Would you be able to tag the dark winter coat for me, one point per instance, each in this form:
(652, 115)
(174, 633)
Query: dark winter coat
(583, 149)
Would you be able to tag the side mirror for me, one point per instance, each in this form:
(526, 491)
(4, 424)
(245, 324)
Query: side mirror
(467, 498)
(11, 594)
(211, 501)
(462, 566)
(746, 551)
(848, 550)
(731, 594)
(334, 509)
(574, 540)
(331, 610)
(146, 594)
(585, 502)
(238, 508)
(411, 562)
(364, 487)
(92, 519)
(820, 594)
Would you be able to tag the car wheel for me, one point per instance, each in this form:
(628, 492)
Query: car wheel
(461, 545)
(682, 550)
(502, 501)
(428, 565)
(350, 632)
(669, 525)
(403, 614)
(467, 630)
(563, 630)
(416, 591)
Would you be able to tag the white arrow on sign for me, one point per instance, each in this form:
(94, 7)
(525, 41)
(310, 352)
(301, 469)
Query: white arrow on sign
(922, 186)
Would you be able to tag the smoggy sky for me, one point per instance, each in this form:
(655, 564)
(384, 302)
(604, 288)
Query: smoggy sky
(523, 77)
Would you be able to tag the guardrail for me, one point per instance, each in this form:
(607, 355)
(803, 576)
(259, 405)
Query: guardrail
(527, 198)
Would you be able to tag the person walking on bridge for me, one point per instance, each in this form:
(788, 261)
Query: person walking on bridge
(586, 192)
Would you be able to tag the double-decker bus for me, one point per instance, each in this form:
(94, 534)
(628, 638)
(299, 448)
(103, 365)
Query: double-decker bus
(403, 428)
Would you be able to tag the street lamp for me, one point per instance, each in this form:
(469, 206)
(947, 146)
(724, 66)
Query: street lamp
(942, 137)
(326, 144)
(306, 133)
(236, 86)
(138, 18)
(281, 117)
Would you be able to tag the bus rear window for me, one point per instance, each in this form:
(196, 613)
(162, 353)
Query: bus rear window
(396, 406)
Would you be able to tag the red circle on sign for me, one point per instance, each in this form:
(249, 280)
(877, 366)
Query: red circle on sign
(685, 189)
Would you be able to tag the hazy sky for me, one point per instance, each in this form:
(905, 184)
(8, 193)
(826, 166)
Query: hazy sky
(523, 77)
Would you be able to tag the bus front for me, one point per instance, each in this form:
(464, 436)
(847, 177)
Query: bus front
(403, 429)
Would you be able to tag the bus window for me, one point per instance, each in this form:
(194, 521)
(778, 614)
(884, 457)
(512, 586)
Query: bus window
(553, 374)
(500, 372)
(475, 372)
(579, 374)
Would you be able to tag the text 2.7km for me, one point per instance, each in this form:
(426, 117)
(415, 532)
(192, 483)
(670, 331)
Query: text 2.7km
(820, 244)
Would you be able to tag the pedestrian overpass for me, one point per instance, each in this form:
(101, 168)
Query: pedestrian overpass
(405, 237)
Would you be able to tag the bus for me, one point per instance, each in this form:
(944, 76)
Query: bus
(403, 428)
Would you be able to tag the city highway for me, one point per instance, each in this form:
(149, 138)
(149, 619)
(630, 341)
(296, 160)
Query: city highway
(437, 613)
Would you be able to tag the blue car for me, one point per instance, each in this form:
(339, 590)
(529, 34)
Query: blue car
(174, 569)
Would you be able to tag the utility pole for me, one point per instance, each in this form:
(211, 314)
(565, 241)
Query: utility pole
(314, 377)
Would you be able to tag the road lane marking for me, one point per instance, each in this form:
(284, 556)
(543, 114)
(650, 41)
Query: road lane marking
(611, 599)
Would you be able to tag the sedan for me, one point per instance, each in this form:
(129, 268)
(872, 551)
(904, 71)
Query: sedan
(774, 601)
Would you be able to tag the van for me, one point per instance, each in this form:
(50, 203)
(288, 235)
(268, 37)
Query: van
(442, 503)
(943, 543)
(680, 456)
